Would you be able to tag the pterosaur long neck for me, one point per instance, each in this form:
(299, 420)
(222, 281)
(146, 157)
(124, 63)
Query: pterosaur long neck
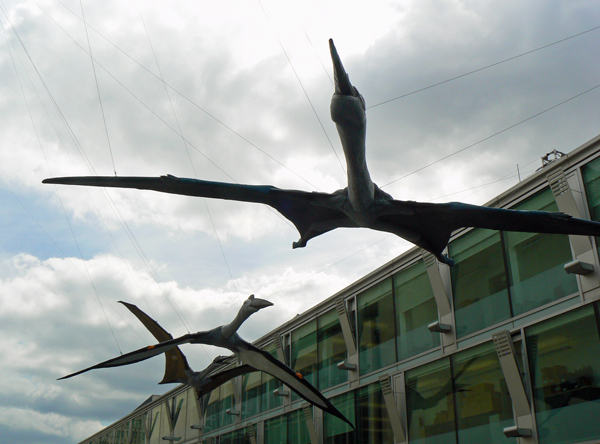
(229, 329)
(348, 113)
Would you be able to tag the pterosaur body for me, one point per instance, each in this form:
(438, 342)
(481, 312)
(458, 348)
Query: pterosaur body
(362, 203)
(253, 358)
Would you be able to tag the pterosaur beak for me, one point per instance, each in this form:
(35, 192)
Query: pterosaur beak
(342, 81)
(258, 303)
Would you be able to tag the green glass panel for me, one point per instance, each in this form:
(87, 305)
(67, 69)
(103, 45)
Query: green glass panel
(430, 404)
(297, 429)
(478, 281)
(337, 431)
(226, 402)
(251, 394)
(376, 332)
(276, 430)
(483, 405)
(268, 400)
(331, 349)
(416, 309)
(119, 435)
(137, 430)
(304, 353)
(211, 420)
(591, 179)
(536, 261)
(373, 423)
(564, 356)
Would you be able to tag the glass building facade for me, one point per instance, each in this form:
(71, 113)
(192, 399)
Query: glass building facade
(371, 349)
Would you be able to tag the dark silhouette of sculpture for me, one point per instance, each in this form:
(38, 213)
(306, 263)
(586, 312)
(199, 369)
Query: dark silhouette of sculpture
(253, 358)
(362, 203)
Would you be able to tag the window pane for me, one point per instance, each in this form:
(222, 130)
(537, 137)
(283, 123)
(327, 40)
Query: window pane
(430, 404)
(251, 394)
(332, 350)
(304, 353)
(564, 355)
(211, 422)
(137, 430)
(536, 261)
(376, 335)
(297, 429)
(416, 309)
(269, 400)
(276, 430)
(337, 431)
(478, 281)
(373, 420)
(483, 405)
(591, 178)
(226, 402)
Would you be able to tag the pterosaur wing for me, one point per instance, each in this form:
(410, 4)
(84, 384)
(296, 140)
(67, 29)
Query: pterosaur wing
(434, 223)
(304, 209)
(221, 378)
(261, 360)
(175, 364)
(137, 356)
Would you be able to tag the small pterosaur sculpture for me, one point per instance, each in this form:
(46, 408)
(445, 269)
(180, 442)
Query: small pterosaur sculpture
(362, 203)
(253, 358)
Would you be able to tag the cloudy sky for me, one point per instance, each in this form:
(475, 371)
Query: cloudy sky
(239, 91)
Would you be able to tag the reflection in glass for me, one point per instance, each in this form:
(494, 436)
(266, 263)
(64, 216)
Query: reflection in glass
(211, 421)
(304, 353)
(137, 429)
(430, 404)
(416, 309)
(276, 430)
(297, 429)
(564, 356)
(337, 431)
(536, 261)
(373, 425)
(268, 400)
(591, 178)
(483, 405)
(376, 335)
(478, 281)
(331, 349)
(251, 394)
(227, 401)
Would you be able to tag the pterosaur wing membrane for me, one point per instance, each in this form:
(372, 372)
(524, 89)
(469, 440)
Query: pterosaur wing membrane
(175, 364)
(262, 360)
(435, 223)
(137, 355)
(221, 378)
(304, 209)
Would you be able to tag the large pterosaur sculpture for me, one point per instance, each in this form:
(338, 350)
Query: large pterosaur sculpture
(362, 203)
(253, 358)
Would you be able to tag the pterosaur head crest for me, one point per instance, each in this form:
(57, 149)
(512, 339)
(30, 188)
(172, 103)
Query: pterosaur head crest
(343, 86)
(253, 304)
